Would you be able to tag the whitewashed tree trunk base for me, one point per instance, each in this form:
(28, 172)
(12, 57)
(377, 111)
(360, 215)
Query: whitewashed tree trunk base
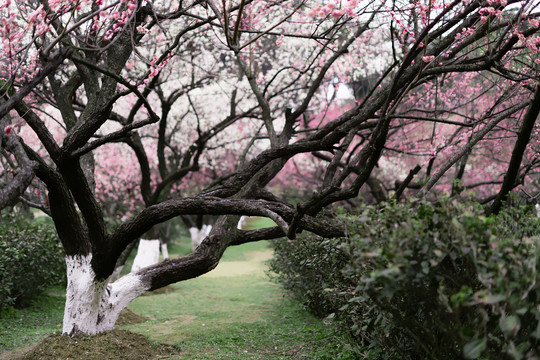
(147, 254)
(198, 235)
(241, 222)
(92, 306)
(164, 251)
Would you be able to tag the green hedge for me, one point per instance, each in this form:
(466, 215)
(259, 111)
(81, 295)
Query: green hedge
(31, 259)
(425, 281)
(309, 266)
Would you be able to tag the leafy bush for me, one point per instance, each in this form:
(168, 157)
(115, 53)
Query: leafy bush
(426, 281)
(31, 259)
(308, 267)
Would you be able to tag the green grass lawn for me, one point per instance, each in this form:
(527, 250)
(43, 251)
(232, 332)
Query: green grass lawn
(25, 326)
(233, 312)
(236, 312)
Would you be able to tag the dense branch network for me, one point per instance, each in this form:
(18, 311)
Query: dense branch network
(165, 110)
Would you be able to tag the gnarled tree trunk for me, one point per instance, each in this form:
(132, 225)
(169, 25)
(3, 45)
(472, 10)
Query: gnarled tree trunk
(93, 305)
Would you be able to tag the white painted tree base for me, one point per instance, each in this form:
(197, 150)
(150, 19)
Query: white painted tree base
(147, 254)
(164, 251)
(241, 222)
(198, 235)
(93, 306)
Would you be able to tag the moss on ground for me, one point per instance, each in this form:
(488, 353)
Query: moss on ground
(110, 345)
(128, 317)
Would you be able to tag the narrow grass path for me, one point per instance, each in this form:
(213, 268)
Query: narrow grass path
(236, 312)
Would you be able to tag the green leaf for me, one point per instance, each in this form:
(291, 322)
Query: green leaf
(330, 317)
(510, 325)
(536, 333)
(490, 299)
(474, 348)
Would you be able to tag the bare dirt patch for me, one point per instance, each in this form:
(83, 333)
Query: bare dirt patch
(110, 345)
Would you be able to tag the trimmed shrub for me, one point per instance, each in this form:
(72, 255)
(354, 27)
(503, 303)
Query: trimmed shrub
(311, 268)
(428, 281)
(31, 259)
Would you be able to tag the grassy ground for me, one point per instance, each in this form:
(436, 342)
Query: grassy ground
(22, 327)
(233, 312)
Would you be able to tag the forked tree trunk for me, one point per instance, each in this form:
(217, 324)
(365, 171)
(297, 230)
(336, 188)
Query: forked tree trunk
(93, 306)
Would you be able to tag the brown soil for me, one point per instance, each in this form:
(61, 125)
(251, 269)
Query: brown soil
(128, 317)
(110, 345)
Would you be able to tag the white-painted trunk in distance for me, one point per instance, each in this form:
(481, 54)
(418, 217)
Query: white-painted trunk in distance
(241, 222)
(164, 251)
(147, 254)
(198, 235)
(195, 237)
(93, 306)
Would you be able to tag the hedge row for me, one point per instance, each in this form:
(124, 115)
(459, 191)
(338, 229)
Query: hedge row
(425, 281)
(31, 259)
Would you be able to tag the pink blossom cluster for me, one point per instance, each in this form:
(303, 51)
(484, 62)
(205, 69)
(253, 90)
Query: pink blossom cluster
(114, 18)
(459, 38)
(17, 21)
(486, 12)
(489, 159)
(38, 18)
(116, 176)
(401, 17)
(333, 9)
(255, 14)
(464, 33)
(530, 42)
(64, 6)
(405, 33)
(503, 3)
(8, 129)
(155, 67)
(280, 40)
(11, 35)
(142, 30)
(424, 11)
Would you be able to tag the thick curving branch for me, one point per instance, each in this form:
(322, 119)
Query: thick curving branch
(9, 195)
(166, 210)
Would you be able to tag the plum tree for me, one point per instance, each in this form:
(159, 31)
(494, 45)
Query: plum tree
(149, 110)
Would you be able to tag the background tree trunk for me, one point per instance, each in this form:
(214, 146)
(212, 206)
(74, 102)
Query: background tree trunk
(524, 136)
